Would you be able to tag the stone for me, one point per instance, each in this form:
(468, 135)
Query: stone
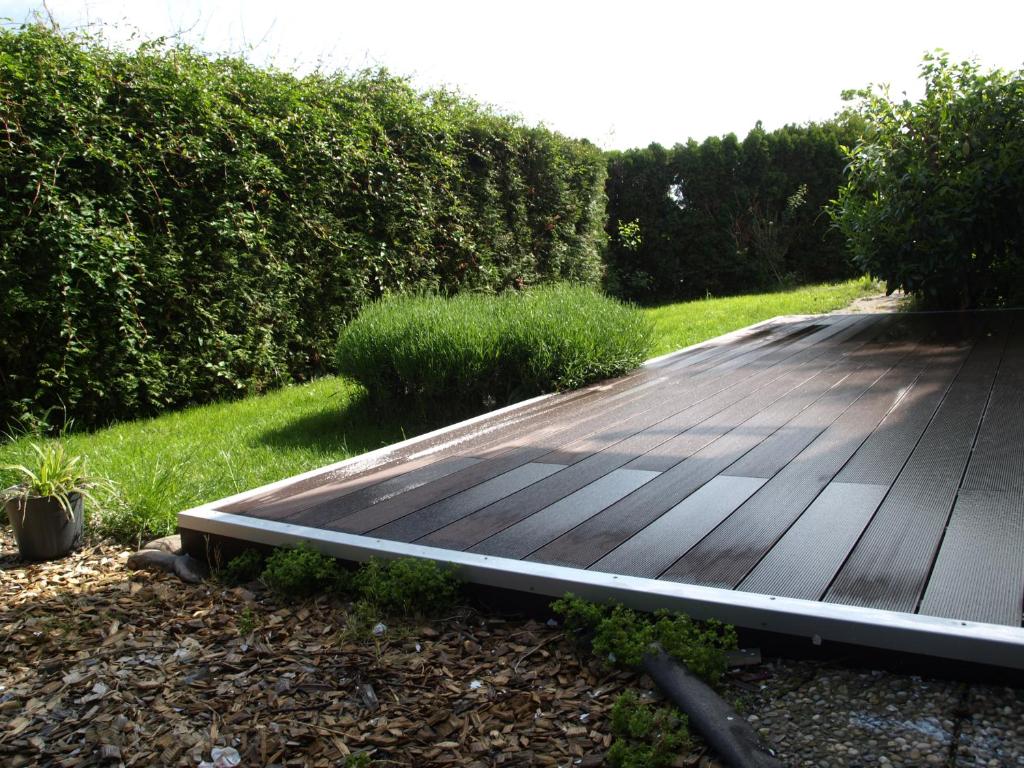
(171, 544)
(152, 560)
(189, 569)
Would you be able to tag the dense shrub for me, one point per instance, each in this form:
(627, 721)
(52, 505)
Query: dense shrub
(406, 586)
(176, 228)
(934, 201)
(302, 571)
(475, 351)
(727, 216)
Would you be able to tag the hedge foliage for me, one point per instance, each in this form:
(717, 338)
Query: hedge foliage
(175, 228)
(473, 352)
(726, 216)
(934, 201)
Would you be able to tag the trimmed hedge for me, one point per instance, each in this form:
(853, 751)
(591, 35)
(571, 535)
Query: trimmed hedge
(473, 352)
(726, 216)
(178, 229)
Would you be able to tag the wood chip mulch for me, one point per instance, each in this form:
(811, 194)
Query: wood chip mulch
(102, 666)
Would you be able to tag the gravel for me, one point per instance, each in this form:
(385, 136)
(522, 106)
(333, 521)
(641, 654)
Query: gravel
(827, 715)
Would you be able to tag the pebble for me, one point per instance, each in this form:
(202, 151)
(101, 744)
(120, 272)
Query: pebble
(821, 713)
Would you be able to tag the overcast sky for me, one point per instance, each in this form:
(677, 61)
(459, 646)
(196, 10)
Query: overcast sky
(622, 74)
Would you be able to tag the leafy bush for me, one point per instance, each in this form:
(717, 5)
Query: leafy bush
(624, 636)
(645, 736)
(934, 198)
(491, 350)
(406, 586)
(727, 216)
(176, 228)
(302, 571)
(242, 569)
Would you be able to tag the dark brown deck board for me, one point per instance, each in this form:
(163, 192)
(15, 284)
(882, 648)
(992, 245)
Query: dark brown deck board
(538, 529)
(889, 566)
(714, 415)
(804, 561)
(547, 446)
(728, 554)
(979, 571)
(592, 540)
(657, 546)
(429, 518)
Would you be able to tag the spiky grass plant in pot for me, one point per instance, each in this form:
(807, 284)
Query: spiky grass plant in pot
(46, 507)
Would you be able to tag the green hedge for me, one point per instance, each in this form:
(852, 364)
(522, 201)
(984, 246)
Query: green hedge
(473, 352)
(726, 216)
(175, 228)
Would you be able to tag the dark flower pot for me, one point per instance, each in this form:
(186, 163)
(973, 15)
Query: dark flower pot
(42, 527)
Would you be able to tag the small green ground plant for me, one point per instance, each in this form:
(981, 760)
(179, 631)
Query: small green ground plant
(623, 636)
(475, 351)
(646, 736)
(302, 571)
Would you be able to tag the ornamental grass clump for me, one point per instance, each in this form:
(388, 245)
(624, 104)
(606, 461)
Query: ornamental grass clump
(474, 352)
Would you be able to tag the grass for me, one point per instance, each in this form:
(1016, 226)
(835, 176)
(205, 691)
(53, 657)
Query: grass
(680, 325)
(178, 460)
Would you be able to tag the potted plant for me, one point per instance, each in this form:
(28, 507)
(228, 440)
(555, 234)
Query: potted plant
(46, 508)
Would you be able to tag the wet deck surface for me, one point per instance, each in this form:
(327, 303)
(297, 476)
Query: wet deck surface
(867, 460)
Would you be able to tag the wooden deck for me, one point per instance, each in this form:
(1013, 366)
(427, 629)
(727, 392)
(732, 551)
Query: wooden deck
(862, 473)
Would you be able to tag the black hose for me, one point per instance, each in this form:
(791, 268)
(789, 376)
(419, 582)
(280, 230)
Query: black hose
(720, 725)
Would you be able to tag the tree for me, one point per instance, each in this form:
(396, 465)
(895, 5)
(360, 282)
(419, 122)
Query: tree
(934, 197)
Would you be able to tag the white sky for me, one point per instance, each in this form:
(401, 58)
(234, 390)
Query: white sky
(622, 74)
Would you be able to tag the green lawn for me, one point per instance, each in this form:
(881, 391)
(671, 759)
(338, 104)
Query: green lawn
(178, 460)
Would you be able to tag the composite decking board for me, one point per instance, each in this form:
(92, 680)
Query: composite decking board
(727, 554)
(349, 479)
(649, 412)
(596, 537)
(376, 493)
(879, 460)
(656, 547)
(480, 524)
(803, 562)
(721, 353)
(889, 566)
(979, 571)
(541, 527)
(411, 526)
(770, 456)
(997, 462)
(680, 447)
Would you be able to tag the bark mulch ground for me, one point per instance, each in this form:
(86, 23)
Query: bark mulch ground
(99, 665)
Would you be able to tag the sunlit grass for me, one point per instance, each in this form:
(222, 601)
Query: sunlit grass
(178, 460)
(680, 325)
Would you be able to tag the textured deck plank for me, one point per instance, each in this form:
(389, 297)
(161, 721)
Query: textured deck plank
(660, 544)
(804, 561)
(836, 386)
(700, 423)
(538, 529)
(979, 571)
(889, 567)
(728, 554)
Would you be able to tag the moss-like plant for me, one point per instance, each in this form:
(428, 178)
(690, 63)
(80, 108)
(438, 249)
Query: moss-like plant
(242, 569)
(645, 736)
(406, 586)
(623, 636)
(302, 571)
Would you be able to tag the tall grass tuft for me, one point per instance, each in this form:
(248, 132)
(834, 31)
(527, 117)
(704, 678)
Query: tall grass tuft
(473, 352)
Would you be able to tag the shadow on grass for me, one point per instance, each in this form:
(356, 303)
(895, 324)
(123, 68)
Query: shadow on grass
(360, 426)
